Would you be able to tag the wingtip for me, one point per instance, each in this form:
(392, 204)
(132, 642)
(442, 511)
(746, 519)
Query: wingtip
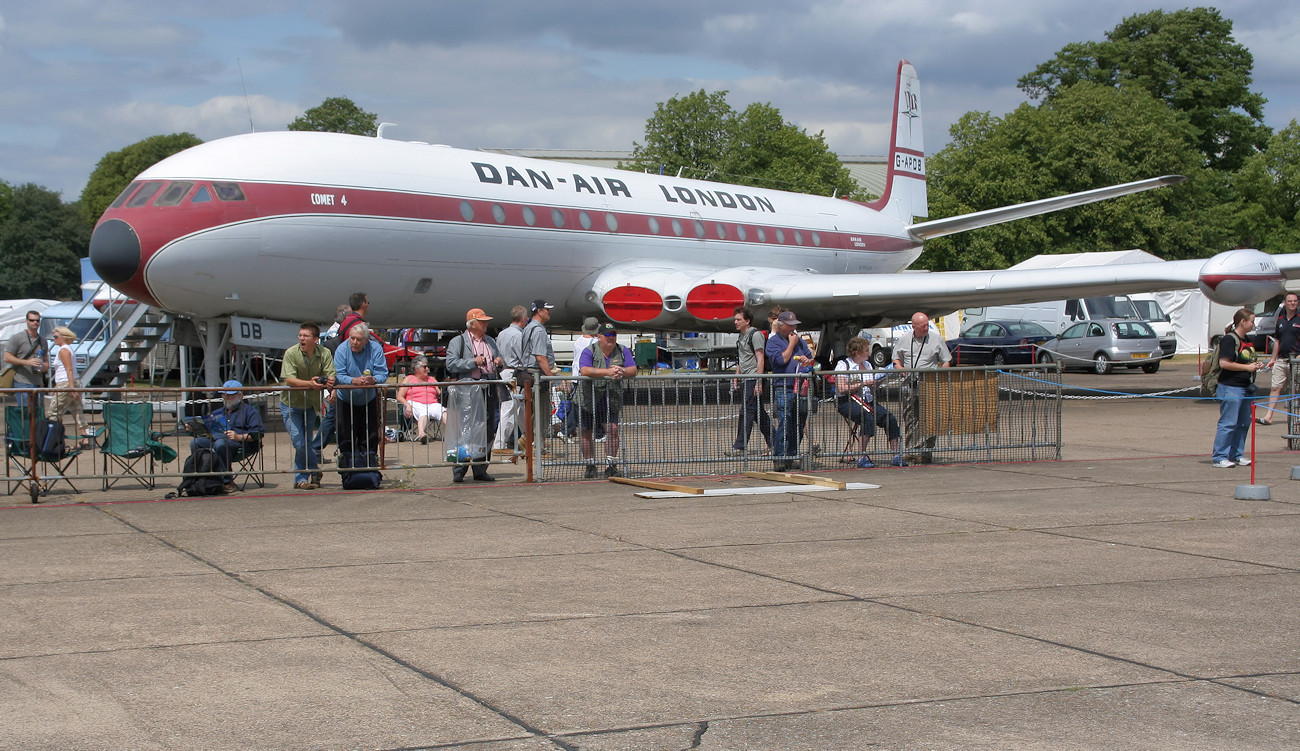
(1172, 179)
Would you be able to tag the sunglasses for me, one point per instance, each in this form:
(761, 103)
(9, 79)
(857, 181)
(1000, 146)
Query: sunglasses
(33, 320)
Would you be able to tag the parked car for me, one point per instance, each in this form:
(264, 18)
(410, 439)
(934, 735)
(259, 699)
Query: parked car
(998, 343)
(1103, 344)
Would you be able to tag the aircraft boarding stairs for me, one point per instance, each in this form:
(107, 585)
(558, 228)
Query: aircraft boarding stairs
(119, 343)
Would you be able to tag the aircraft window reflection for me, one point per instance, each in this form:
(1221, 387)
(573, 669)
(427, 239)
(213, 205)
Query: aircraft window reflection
(740, 231)
(121, 197)
(202, 195)
(654, 225)
(530, 218)
(780, 236)
(817, 239)
(147, 191)
(762, 234)
(584, 219)
(722, 231)
(798, 237)
(174, 193)
(228, 191)
(557, 217)
(498, 213)
(677, 227)
(466, 211)
(611, 221)
(699, 229)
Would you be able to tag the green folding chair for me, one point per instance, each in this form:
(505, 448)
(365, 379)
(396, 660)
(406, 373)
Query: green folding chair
(21, 467)
(127, 443)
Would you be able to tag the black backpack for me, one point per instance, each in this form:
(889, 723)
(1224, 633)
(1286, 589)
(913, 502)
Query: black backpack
(196, 483)
(360, 480)
(50, 446)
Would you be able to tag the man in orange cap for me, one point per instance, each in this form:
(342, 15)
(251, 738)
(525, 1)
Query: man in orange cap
(474, 356)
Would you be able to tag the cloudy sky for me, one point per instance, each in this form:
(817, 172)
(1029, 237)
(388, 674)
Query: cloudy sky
(80, 78)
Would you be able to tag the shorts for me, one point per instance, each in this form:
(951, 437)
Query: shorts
(603, 412)
(1281, 372)
(432, 411)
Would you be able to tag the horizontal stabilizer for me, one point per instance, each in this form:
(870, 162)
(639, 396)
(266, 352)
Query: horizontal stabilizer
(954, 224)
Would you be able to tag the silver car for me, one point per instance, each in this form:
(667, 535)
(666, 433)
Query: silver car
(1100, 345)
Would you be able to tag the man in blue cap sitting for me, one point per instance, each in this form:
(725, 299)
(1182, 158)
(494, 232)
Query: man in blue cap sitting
(236, 430)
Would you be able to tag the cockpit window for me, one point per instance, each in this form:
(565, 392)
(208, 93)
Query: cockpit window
(121, 197)
(146, 192)
(228, 191)
(202, 195)
(174, 193)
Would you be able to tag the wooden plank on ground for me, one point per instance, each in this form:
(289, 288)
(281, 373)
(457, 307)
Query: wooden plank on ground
(652, 485)
(798, 479)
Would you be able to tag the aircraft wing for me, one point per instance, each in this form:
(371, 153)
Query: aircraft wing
(965, 222)
(895, 297)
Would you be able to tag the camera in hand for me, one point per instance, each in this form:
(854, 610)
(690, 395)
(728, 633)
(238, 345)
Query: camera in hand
(322, 380)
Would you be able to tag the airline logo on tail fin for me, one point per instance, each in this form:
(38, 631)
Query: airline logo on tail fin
(905, 194)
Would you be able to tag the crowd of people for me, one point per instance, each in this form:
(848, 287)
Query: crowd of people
(333, 393)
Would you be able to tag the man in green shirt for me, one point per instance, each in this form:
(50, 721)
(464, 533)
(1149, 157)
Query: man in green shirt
(308, 369)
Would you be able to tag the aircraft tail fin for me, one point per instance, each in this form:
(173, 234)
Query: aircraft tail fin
(905, 194)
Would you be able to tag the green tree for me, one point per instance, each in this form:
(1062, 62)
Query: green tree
(117, 169)
(337, 115)
(41, 240)
(1267, 209)
(1085, 136)
(1187, 59)
(702, 137)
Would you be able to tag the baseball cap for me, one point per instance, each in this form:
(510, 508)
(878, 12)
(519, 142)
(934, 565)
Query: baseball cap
(477, 314)
(607, 329)
(539, 304)
(590, 325)
(231, 384)
(787, 317)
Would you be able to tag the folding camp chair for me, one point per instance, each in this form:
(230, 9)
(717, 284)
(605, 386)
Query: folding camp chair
(128, 442)
(248, 460)
(18, 455)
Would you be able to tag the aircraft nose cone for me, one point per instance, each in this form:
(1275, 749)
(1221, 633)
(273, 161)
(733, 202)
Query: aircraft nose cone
(115, 251)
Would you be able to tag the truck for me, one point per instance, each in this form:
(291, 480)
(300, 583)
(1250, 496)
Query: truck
(1056, 315)
(1149, 310)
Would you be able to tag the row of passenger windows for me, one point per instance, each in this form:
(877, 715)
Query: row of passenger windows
(699, 228)
(139, 194)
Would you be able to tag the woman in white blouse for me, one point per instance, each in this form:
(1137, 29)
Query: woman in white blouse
(853, 399)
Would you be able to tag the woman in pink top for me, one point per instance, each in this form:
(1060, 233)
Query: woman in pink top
(418, 395)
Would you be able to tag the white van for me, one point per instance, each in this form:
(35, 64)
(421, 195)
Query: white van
(1149, 310)
(1055, 315)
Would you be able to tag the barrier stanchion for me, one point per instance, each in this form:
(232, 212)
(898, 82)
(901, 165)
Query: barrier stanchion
(1253, 492)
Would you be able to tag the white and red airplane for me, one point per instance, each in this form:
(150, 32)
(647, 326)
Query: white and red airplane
(285, 225)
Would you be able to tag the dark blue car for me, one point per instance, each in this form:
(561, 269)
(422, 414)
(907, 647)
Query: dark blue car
(998, 343)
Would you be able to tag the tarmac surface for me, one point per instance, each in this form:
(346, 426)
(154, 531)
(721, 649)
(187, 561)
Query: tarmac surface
(1121, 598)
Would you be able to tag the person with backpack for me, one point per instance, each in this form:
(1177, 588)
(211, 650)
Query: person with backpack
(750, 360)
(608, 364)
(236, 430)
(1235, 392)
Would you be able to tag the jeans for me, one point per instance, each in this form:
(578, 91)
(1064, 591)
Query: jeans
(224, 448)
(792, 416)
(1234, 421)
(302, 422)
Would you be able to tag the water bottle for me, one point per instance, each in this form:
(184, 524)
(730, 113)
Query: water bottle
(451, 453)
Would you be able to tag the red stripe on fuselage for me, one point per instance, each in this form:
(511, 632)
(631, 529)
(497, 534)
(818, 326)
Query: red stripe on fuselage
(157, 227)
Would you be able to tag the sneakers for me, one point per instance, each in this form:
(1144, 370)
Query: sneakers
(590, 473)
(229, 487)
(1224, 464)
(865, 463)
(1243, 461)
(611, 471)
(897, 461)
(304, 485)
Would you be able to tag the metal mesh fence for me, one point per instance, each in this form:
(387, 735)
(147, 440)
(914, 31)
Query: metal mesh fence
(666, 425)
